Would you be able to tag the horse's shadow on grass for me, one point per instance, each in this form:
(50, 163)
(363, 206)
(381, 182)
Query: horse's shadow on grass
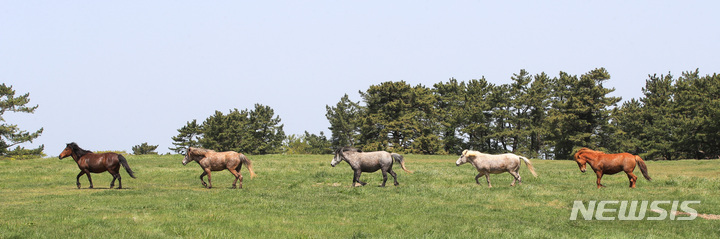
(103, 188)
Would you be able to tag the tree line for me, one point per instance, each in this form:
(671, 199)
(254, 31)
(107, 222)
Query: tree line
(256, 131)
(534, 115)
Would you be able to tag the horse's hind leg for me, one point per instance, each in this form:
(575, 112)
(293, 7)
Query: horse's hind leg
(632, 178)
(116, 175)
(394, 176)
(112, 183)
(384, 173)
(516, 177)
(238, 176)
(119, 178)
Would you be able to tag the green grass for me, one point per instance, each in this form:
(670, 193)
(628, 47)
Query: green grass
(302, 196)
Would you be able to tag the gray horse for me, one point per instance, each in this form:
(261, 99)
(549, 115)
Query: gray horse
(487, 164)
(368, 162)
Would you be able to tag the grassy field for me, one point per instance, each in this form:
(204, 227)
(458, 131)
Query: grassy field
(301, 196)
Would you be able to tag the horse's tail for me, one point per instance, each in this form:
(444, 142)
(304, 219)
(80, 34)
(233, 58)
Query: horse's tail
(529, 165)
(400, 159)
(643, 167)
(247, 161)
(123, 162)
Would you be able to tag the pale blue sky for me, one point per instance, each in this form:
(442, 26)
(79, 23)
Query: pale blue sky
(113, 74)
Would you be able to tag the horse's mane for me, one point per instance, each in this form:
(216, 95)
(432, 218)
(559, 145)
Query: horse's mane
(471, 153)
(199, 151)
(584, 150)
(77, 150)
(347, 149)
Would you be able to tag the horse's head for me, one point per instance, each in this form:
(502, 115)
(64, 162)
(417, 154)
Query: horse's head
(66, 152)
(188, 158)
(464, 157)
(581, 161)
(340, 156)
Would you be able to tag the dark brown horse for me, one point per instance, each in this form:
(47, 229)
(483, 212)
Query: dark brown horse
(603, 163)
(90, 162)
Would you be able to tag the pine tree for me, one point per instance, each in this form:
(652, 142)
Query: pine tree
(188, 136)
(10, 134)
(144, 148)
(345, 119)
(400, 118)
(657, 114)
(450, 103)
(580, 112)
(477, 115)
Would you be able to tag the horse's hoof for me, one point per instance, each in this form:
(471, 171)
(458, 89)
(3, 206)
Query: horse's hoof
(397, 184)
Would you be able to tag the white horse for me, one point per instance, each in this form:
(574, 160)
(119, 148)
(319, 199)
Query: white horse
(495, 164)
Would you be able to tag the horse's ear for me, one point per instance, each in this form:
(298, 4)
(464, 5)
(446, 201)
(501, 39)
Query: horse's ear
(464, 152)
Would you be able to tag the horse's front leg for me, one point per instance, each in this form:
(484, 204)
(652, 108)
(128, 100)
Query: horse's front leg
(487, 177)
(384, 173)
(77, 179)
(89, 179)
(599, 177)
(201, 178)
(356, 178)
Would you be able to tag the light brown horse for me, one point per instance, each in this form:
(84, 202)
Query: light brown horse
(487, 164)
(210, 160)
(603, 163)
(90, 162)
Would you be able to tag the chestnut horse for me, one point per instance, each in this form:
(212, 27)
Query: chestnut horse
(210, 160)
(603, 163)
(90, 162)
